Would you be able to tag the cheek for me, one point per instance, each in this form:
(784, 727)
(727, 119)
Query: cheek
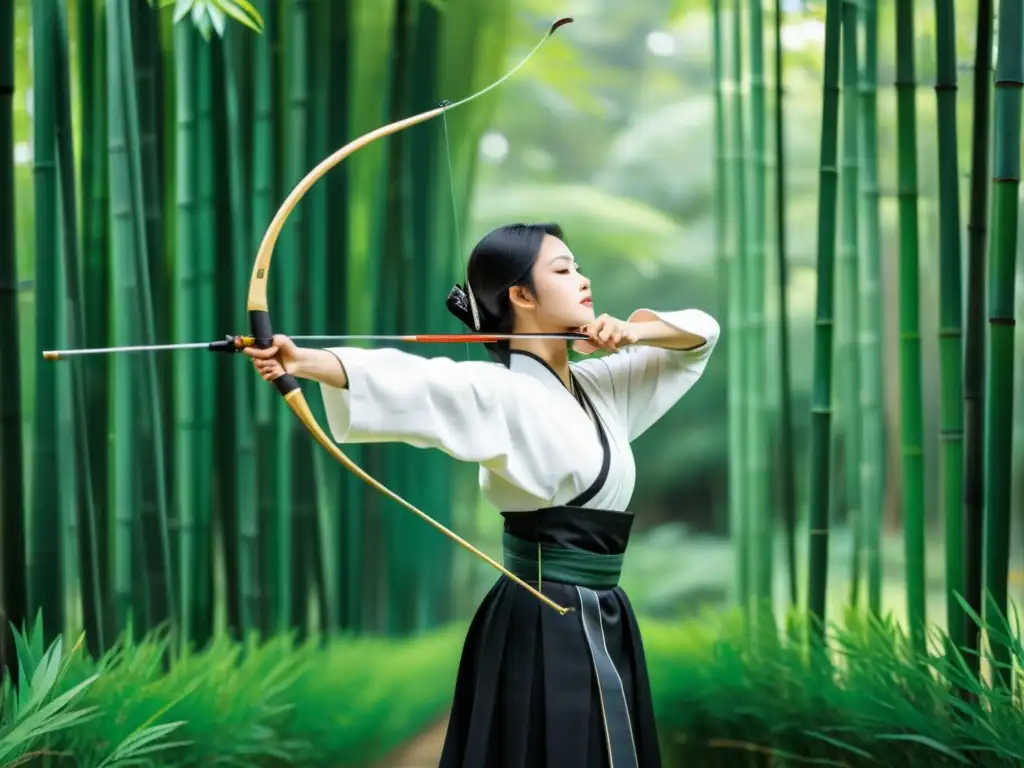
(559, 295)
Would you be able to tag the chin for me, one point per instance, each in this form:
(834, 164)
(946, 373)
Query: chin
(586, 316)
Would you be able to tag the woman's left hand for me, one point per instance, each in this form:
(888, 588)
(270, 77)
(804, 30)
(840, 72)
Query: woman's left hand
(607, 333)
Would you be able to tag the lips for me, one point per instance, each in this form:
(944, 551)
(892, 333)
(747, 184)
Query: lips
(587, 303)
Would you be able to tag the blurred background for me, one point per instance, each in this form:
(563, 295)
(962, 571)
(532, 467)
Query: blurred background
(173, 493)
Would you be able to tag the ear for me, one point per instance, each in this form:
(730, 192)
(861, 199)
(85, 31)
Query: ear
(521, 297)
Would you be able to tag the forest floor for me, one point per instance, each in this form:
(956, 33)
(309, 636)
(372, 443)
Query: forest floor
(422, 751)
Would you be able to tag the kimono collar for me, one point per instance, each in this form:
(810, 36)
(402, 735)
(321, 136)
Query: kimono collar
(535, 367)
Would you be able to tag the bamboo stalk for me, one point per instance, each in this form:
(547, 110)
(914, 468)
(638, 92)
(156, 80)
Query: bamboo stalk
(847, 359)
(756, 363)
(343, 120)
(911, 416)
(430, 214)
(78, 555)
(723, 241)
(302, 111)
(736, 320)
(245, 455)
(87, 86)
(92, 41)
(872, 489)
(821, 404)
(787, 461)
(950, 303)
(43, 562)
(85, 513)
(146, 57)
(154, 518)
(187, 496)
(146, 113)
(326, 537)
(223, 550)
(1001, 284)
(974, 345)
(394, 299)
(291, 574)
(13, 582)
(263, 203)
(124, 490)
(202, 447)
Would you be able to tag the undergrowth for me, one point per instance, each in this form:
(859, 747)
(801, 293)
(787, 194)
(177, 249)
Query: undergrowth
(339, 702)
(724, 696)
(727, 696)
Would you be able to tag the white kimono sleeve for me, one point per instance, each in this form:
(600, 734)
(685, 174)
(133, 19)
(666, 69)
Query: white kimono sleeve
(473, 411)
(643, 382)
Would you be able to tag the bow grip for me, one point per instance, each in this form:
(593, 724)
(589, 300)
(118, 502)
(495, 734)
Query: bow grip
(263, 333)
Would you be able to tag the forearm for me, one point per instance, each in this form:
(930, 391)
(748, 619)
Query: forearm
(650, 330)
(320, 366)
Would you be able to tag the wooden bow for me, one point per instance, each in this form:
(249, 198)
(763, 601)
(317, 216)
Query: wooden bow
(262, 328)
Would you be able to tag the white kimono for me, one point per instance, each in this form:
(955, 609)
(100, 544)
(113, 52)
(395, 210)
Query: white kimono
(535, 444)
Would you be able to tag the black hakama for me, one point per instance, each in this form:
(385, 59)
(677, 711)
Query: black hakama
(536, 689)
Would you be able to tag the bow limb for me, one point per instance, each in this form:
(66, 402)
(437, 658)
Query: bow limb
(262, 328)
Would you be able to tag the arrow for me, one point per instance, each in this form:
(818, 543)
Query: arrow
(231, 344)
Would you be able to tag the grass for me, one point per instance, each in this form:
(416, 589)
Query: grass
(722, 697)
(725, 698)
(340, 702)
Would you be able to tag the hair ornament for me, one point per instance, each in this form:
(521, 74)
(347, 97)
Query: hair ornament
(472, 306)
(459, 304)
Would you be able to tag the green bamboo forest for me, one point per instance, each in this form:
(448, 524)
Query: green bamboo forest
(829, 551)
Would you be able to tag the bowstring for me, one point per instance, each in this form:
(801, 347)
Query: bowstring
(455, 206)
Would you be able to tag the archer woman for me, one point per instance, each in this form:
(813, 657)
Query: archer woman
(535, 688)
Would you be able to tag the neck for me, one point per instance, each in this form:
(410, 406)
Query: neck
(554, 352)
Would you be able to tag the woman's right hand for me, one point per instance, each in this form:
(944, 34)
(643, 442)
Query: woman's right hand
(281, 357)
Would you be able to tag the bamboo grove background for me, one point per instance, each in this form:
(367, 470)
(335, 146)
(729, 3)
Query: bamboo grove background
(852, 458)
(179, 465)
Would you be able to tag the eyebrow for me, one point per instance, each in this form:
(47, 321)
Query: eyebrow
(561, 256)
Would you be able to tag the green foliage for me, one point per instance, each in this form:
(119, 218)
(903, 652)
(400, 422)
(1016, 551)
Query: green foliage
(722, 692)
(211, 15)
(331, 702)
(31, 711)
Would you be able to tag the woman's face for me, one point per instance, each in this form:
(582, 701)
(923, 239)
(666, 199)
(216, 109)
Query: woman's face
(562, 300)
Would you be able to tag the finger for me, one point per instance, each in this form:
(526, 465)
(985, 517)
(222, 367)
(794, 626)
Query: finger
(262, 354)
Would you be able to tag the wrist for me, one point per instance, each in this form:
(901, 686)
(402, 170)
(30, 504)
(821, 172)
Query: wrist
(300, 366)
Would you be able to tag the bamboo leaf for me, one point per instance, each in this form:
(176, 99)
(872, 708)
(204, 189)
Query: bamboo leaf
(46, 720)
(841, 744)
(244, 12)
(141, 742)
(181, 9)
(924, 741)
(138, 755)
(201, 19)
(217, 18)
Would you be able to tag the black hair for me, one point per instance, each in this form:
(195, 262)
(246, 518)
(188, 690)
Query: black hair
(503, 259)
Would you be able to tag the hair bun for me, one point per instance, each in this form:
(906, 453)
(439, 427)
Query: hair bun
(458, 305)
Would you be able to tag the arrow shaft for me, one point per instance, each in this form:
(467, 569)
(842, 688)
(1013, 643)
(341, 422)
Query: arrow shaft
(57, 354)
(227, 345)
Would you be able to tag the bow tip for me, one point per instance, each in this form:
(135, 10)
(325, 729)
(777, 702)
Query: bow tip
(560, 23)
